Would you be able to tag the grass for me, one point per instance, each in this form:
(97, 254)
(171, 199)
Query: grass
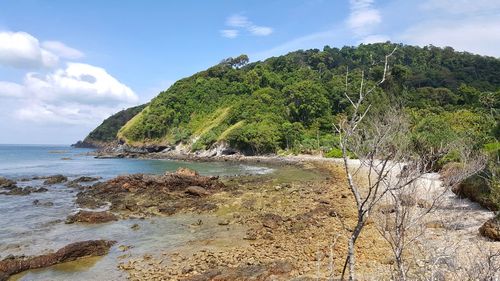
(230, 129)
(215, 120)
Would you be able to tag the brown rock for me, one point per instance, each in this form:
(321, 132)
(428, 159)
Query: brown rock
(86, 179)
(271, 220)
(186, 172)
(139, 193)
(491, 229)
(91, 217)
(70, 252)
(197, 191)
(273, 271)
(6, 183)
(55, 179)
(24, 190)
(435, 224)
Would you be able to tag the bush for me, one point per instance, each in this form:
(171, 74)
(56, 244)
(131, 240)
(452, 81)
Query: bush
(334, 153)
(337, 153)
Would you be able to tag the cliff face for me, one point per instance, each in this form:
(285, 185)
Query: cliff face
(289, 102)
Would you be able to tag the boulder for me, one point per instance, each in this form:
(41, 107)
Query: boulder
(44, 204)
(491, 229)
(6, 183)
(197, 191)
(55, 179)
(86, 179)
(70, 252)
(91, 217)
(271, 220)
(186, 172)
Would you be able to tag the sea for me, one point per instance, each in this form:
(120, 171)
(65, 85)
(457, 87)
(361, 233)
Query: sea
(33, 229)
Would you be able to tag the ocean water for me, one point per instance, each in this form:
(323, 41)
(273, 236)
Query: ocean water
(28, 229)
(17, 161)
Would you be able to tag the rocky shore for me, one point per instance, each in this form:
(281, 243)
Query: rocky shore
(300, 226)
(12, 265)
(288, 226)
(149, 195)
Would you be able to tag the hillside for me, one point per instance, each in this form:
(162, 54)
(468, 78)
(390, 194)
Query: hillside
(106, 132)
(289, 102)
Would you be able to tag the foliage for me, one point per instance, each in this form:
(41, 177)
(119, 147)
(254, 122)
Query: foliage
(289, 102)
(109, 128)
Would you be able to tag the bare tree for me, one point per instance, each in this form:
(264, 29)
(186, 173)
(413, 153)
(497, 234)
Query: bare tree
(348, 131)
(414, 193)
(388, 169)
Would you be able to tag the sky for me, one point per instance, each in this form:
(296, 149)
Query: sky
(67, 65)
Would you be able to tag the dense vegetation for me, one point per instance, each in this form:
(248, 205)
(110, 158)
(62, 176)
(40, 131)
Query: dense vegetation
(288, 103)
(106, 132)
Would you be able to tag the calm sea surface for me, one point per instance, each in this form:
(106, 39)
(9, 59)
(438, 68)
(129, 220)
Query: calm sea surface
(31, 230)
(36, 160)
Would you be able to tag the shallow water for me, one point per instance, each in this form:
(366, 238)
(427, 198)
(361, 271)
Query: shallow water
(30, 160)
(33, 230)
(153, 236)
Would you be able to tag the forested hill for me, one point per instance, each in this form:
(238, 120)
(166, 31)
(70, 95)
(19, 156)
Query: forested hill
(106, 132)
(289, 102)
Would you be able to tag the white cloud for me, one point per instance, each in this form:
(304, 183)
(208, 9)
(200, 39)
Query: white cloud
(239, 23)
(465, 25)
(62, 50)
(229, 33)
(260, 30)
(81, 83)
(77, 94)
(461, 6)
(375, 38)
(11, 90)
(21, 50)
(334, 36)
(70, 113)
(475, 35)
(363, 17)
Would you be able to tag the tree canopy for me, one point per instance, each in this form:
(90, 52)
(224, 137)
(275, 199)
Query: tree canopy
(290, 101)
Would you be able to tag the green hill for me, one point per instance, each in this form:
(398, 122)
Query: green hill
(289, 102)
(106, 132)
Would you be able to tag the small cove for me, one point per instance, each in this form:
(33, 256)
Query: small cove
(32, 230)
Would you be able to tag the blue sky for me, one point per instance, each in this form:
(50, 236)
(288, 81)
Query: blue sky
(66, 65)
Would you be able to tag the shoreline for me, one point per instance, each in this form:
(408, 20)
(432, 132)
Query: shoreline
(290, 214)
(265, 159)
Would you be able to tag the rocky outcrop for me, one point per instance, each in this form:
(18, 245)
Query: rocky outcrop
(273, 271)
(70, 252)
(86, 179)
(23, 190)
(197, 191)
(37, 202)
(491, 229)
(478, 189)
(91, 217)
(55, 179)
(7, 183)
(152, 194)
(85, 144)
